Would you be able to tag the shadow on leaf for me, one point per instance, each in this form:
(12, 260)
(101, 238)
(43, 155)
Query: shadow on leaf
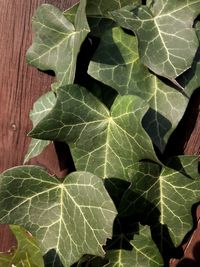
(51, 258)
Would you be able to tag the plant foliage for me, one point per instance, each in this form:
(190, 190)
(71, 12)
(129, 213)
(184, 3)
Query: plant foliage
(125, 71)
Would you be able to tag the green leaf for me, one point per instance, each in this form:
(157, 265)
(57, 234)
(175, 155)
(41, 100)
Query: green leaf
(103, 142)
(99, 26)
(144, 253)
(164, 196)
(70, 13)
(190, 80)
(40, 109)
(73, 218)
(27, 252)
(116, 63)
(56, 38)
(103, 7)
(167, 41)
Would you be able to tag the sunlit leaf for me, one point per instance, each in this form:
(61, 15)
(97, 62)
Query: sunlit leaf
(57, 41)
(73, 218)
(167, 40)
(190, 80)
(117, 64)
(103, 142)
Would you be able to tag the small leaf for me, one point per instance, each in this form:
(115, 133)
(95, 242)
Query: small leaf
(73, 218)
(144, 253)
(116, 63)
(103, 7)
(40, 109)
(103, 142)
(27, 252)
(164, 196)
(57, 41)
(167, 41)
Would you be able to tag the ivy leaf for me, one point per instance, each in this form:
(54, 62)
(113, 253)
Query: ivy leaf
(103, 142)
(40, 109)
(103, 7)
(57, 41)
(190, 80)
(74, 217)
(144, 252)
(70, 13)
(163, 196)
(27, 252)
(116, 63)
(167, 41)
(99, 25)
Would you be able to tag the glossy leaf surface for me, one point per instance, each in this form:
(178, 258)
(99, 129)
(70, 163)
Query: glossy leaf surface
(103, 142)
(73, 218)
(116, 63)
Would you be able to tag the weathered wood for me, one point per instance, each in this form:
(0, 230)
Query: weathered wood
(20, 86)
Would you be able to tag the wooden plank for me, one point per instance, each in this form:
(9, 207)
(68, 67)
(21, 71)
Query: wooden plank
(20, 86)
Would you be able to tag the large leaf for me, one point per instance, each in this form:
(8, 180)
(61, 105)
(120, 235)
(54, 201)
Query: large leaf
(57, 41)
(144, 253)
(73, 218)
(190, 80)
(117, 64)
(40, 109)
(163, 196)
(167, 41)
(103, 7)
(102, 142)
(27, 252)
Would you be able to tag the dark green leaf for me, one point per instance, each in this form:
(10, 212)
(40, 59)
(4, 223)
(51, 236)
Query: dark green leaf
(117, 64)
(73, 218)
(164, 195)
(103, 142)
(103, 7)
(144, 253)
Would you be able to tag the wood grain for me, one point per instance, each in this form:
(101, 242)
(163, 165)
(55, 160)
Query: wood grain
(21, 85)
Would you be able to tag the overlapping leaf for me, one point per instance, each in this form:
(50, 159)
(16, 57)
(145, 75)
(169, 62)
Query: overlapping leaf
(190, 80)
(74, 217)
(144, 253)
(117, 64)
(103, 7)
(167, 41)
(164, 195)
(102, 142)
(40, 109)
(57, 41)
(27, 252)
